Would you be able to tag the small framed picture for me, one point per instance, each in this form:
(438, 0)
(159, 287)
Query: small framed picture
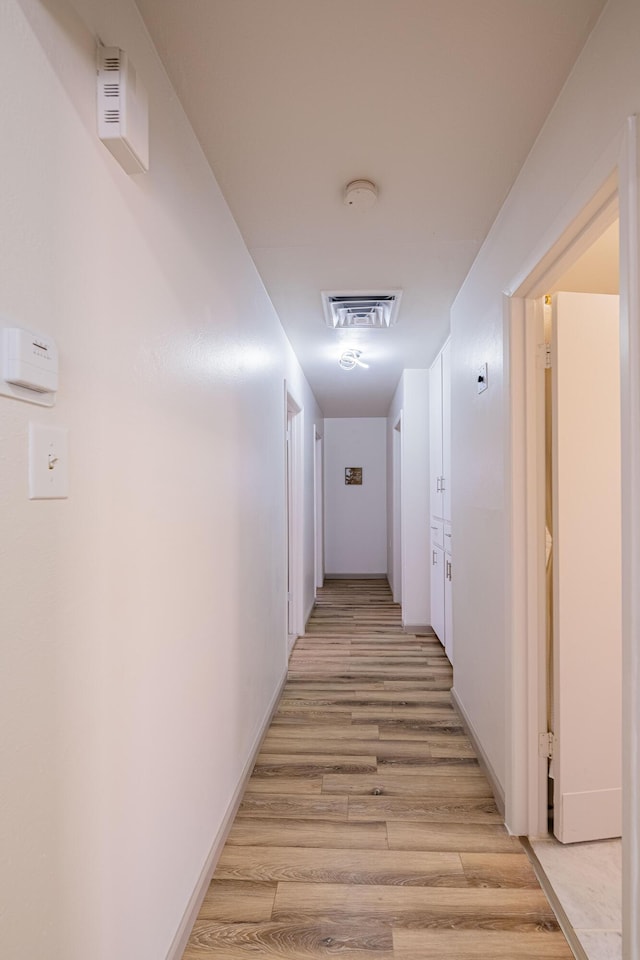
(353, 476)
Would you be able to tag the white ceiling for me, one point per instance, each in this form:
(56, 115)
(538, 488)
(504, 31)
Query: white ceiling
(437, 101)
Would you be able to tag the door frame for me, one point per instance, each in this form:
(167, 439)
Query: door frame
(611, 190)
(294, 518)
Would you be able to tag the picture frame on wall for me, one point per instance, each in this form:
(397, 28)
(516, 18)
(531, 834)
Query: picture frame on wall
(353, 476)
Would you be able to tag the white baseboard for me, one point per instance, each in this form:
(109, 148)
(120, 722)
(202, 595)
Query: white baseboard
(181, 937)
(485, 763)
(309, 612)
(355, 576)
(424, 629)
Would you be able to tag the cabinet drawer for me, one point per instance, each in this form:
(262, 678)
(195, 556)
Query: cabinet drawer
(437, 532)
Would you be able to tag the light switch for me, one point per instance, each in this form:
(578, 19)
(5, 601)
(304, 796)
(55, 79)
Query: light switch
(482, 378)
(48, 462)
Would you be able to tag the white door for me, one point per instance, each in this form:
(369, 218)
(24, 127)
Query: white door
(587, 664)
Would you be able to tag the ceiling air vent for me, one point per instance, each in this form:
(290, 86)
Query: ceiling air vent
(361, 311)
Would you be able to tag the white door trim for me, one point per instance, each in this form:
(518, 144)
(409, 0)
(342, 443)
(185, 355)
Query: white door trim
(525, 793)
(579, 223)
(630, 391)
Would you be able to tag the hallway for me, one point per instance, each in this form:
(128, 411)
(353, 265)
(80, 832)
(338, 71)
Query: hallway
(368, 830)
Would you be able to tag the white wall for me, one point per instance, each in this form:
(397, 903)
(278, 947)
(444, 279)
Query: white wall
(355, 516)
(573, 155)
(143, 619)
(412, 400)
(393, 416)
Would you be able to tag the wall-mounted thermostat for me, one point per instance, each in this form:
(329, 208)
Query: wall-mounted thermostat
(28, 366)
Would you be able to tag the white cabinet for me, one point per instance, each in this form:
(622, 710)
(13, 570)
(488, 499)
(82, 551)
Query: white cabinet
(435, 439)
(437, 590)
(440, 434)
(440, 497)
(448, 594)
(446, 431)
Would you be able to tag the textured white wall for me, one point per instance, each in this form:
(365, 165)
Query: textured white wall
(355, 516)
(395, 410)
(416, 584)
(143, 619)
(573, 155)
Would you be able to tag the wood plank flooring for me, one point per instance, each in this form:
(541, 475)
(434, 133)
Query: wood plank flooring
(367, 830)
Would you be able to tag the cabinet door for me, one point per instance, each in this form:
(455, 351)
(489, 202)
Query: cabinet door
(448, 607)
(437, 592)
(435, 436)
(446, 431)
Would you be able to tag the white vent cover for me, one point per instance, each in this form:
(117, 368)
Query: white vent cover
(361, 311)
(123, 111)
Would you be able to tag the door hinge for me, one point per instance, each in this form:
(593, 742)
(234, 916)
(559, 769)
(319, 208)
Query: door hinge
(546, 743)
(544, 355)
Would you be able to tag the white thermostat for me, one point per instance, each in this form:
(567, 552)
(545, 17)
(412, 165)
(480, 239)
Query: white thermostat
(28, 366)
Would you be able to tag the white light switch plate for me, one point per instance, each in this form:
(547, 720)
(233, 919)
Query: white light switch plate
(48, 462)
(482, 378)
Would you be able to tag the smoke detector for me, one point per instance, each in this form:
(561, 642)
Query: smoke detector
(361, 310)
(360, 194)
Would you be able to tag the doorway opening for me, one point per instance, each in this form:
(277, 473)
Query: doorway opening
(318, 511)
(583, 549)
(294, 478)
(396, 480)
(566, 361)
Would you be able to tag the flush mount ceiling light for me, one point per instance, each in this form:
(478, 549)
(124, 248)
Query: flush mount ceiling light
(351, 358)
(360, 194)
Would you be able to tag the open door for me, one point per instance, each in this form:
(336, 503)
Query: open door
(586, 556)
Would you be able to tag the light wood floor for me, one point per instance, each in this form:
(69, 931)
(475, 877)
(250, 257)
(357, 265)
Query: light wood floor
(368, 831)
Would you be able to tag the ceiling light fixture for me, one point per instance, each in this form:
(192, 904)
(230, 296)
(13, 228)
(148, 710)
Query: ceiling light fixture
(360, 194)
(351, 358)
